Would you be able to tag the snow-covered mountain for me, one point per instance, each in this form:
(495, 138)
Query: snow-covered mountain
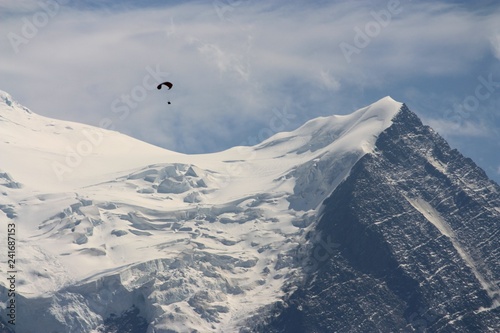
(114, 234)
(417, 229)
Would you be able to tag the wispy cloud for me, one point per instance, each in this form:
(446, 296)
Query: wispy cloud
(466, 129)
(495, 45)
(230, 72)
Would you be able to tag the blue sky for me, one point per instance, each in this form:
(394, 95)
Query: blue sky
(236, 64)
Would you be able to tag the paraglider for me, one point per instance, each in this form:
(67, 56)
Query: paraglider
(167, 84)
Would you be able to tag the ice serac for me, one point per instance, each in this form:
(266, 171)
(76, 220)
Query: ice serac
(417, 229)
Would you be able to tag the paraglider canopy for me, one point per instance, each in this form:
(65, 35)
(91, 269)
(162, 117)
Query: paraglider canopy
(168, 84)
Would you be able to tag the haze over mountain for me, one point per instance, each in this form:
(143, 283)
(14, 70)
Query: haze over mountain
(362, 222)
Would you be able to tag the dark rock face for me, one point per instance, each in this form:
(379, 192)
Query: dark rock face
(130, 322)
(418, 233)
(4, 328)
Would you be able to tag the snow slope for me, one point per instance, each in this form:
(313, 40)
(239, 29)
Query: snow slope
(433, 216)
(196, 242)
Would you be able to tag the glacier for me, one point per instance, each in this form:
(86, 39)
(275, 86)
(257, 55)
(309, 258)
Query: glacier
(107, 223)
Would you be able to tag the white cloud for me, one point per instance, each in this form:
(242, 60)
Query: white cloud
(228, 74)
(226, 61)
(495, 45)
(450, 129)
(328, 80)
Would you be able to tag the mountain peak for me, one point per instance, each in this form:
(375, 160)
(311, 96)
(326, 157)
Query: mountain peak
(4, 95)
(385, 107)
(112, 226)
(408, 233)
(355, 131)
(386, 99)
(6, 99)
